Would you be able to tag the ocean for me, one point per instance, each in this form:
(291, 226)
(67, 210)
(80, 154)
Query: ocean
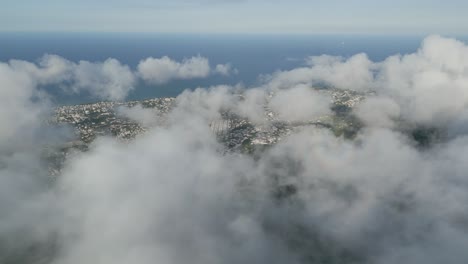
(252, 55)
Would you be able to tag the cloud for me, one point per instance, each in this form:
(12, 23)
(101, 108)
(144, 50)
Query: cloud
(225, 69)
(378, 111)
(138, 202)
(164, 69)
(24, 136)
(19, 113)
(252, 105)
(206, 103)
(308, 104)
(143, 116)
(354, 73)
(108, 80)
(428, 86)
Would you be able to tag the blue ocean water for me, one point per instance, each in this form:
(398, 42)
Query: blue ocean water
(252, 55)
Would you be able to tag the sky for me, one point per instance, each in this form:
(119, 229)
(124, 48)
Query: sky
(237, 16)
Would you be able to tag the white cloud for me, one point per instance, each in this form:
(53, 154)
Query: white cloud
(378, 111)
(225, 69)
(428, 86)
(23, 176)
(18, 113)
(300, 103)
(162, 70)
(108, 80)
(144, 116)
(252, 105)
(354, 73)
(205, 103)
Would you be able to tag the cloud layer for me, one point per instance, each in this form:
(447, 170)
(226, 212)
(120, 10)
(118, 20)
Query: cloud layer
(428, 86)
(110, 79)
(174, 195)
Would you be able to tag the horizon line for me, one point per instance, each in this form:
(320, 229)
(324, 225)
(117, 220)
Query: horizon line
(393, 34)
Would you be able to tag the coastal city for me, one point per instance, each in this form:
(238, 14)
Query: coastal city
(103, 119)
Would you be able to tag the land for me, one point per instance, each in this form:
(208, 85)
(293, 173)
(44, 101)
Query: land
(90, 121)
(98, 119)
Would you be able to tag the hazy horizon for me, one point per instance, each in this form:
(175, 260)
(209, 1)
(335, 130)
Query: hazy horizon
(235, 16)
(250, 55)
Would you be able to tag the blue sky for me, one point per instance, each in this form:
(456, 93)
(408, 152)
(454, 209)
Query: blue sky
(237, 16)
